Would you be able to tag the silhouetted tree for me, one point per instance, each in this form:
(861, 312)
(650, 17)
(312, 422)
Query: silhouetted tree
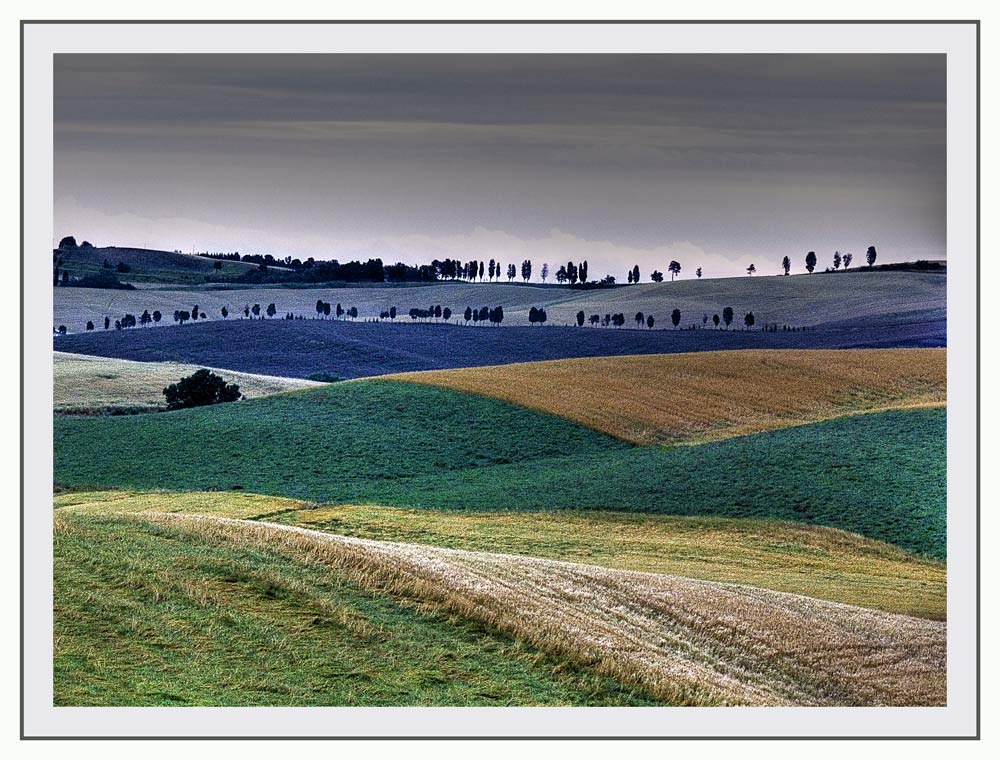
(674, 268)
(493, 266)
(202, 388)
(715, 321)
(697, 273)
(786, 264)
(635, 274)
(836, 260)
(751, 269)
(572, 273)
(526, 270)
(545, 272)
(595, 319)
(319, 307)
(68, 242)
(468, 314)
(511, 272)
(748, 320)
(326, 309)
(561, 275)
(727, 316)
(353, 312)
(848, 258)
(271, 311)
(255, 309)
(392, 312)
(675, 317)
(225, 312)
(583, 271)
(446, 313)
(650, 321)
(246, 310)
(157, 316)
(62, 329)
(630, 277)
(704, 319)
(640, 318)
(656, 276)
(145, 318)
(580, 317)
(618, 320)
(183, 316)
(480, 271)
(107, 322)
(195, 311)
(811, 261)
(90, 325)
(340, 311)
(532, 315)
(871, 256)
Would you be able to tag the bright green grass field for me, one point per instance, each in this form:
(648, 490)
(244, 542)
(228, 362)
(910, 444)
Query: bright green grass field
(397, 444)
(198, 622)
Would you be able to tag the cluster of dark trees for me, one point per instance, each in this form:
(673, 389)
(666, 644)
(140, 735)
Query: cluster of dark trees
(537, 316)
(323, 310)
(202, 388)
(571, 273)
(838, 260)
(492, 315)
(432, 312)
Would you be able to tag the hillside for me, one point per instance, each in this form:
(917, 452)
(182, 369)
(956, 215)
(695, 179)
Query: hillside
(670, 637)
(299, 348)
(708, 396)
(95, 385)
(393, 443)
(798, 300)
(145, 614)
(147, 266)
(781, 556)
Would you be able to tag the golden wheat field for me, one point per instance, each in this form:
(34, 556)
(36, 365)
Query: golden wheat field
(697, 397)
(810, 560)
(94, 384)
(682, 640)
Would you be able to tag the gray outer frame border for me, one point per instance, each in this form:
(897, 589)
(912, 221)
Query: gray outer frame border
(978, 624)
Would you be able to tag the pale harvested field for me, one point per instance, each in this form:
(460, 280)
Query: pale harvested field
(697, 397)
(94, 384)
(687, 641)
(802, 559)
(800, 300)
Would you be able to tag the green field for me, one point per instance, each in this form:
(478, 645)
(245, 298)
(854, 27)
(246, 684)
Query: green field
(197, 620)
(822, 563)
(390, 443)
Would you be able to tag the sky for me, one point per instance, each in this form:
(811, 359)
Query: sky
(717, 161)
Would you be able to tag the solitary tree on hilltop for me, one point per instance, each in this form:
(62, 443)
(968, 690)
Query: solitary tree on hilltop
(635, 274)
(786, 264)
(871, 256)
(751, 269)
(656, 276)
(697, 272)
(848, 258)
(675, 269)
(811, 261)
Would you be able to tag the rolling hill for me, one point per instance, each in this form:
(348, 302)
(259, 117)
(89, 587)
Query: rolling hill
(96, 385)
(867, 298)
(672, 638)
(781, 556)
(298, 348)
(394, 443)
(708, 396)
(146, 265)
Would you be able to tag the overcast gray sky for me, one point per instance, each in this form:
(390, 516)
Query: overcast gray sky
(715, 160)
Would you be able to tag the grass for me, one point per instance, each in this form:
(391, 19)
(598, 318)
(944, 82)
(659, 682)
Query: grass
(673, 638)
(150, 613)
(800, 300)
(398, 444)
(782, 556)
(708, 396)
(96, 385)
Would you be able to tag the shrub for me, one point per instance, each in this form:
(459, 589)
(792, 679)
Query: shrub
(200, 389)
(324, 377)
